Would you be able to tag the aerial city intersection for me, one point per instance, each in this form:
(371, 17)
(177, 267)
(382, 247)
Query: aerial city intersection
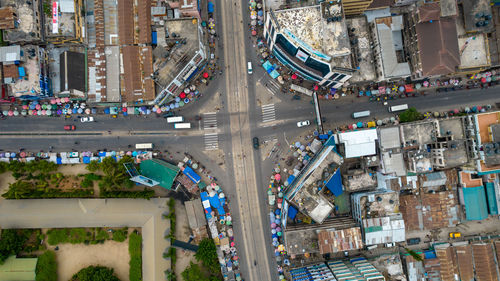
(249, 140)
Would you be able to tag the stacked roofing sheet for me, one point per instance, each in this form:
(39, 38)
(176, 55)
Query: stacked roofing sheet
(448, 261)
(126, 21)
(484, 262)
(137, 67)
(464, 262)
(332, 241)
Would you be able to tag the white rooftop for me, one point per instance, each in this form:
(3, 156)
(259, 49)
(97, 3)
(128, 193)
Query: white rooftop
(359, 143)
(383, 230)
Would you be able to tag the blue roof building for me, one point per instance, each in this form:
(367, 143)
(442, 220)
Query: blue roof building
(476, 207)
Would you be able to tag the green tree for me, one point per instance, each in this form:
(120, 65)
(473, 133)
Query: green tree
(19, 189)
(414, 254)
(46, 267)
(93, 166)
(410, 115)
(170, 275)
(208, 256)
(11, 243)
(95, 273)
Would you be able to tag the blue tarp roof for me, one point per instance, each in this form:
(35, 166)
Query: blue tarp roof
(204, 197)
(274, 74)
(267, 65)
(290, 179)
(335, 183)
(475, 203)
(102, 153)
(492, 198)
(292, 212)
(86, 159)
(194, 177)
(154, 38)
(21, 71)
(215, 202)
(59, 160)
(430, 254)
(210, 7)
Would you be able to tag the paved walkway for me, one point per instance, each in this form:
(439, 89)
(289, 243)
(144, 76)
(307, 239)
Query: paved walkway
(69, 213)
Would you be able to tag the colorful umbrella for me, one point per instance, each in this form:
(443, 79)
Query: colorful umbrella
(205, 75)
(294, 76)
(182, 95)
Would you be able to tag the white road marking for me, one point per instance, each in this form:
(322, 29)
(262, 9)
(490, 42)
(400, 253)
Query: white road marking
(210, 123)
(268, 113)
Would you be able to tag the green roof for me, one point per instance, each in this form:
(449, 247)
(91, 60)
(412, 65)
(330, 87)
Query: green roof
(18, 269)
(159, 171)
(492, 198)
(475, 203)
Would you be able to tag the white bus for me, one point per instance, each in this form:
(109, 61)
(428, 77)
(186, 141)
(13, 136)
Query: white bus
(143, 146)
(175, 119)
(182, 126)
(398, 107)
(361, 114)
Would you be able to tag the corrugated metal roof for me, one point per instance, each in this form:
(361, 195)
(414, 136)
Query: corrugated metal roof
(67, 6)
(19, 269)
(10, 53)
(475, 203)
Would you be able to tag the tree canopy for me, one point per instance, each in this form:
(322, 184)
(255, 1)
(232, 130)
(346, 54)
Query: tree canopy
(410, 115)
(208, 256)
(11, 243)
(95, 273)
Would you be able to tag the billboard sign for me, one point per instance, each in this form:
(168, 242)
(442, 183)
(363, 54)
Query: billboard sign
(55, 17)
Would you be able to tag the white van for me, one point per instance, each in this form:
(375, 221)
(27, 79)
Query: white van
(398, 107)
(182, 126)
(361, 114)
(249, 66)
(175, 119)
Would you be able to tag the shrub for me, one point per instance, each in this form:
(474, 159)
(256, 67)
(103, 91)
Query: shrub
(86, 183)
(57, 236)
(46, 267)
(134, 249)
(120, 235)
(145, 194)
(95, 273)
(101, 234)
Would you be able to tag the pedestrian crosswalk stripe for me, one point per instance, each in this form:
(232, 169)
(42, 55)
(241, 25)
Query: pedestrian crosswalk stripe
(268, 113)
(211, 138)
(210, 120)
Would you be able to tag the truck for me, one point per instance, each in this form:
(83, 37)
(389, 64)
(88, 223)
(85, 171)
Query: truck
(400, 107)
(143, 146)
(175, 119)
(361, 114)
(182, 126)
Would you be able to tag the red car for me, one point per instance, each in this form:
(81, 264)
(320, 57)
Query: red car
(69, 127)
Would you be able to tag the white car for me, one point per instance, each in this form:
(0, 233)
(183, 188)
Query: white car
(303, 123)
(87, 119)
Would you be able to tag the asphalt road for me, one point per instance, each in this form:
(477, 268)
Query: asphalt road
(240, 118)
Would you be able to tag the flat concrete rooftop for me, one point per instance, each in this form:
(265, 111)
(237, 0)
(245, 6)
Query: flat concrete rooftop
(310, 26)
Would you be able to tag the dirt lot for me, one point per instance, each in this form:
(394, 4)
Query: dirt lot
(72, 258)
(182, 233)
(5, 180)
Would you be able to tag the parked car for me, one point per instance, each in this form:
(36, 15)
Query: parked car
(303, 123)
(455, 235)
(69, 127)
(413, 241)
(87, 119)
(256, 143)
(168, 114)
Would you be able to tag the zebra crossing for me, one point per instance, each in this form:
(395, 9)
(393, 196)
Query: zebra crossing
(273, 86)
(211, 137)
(268, 113)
